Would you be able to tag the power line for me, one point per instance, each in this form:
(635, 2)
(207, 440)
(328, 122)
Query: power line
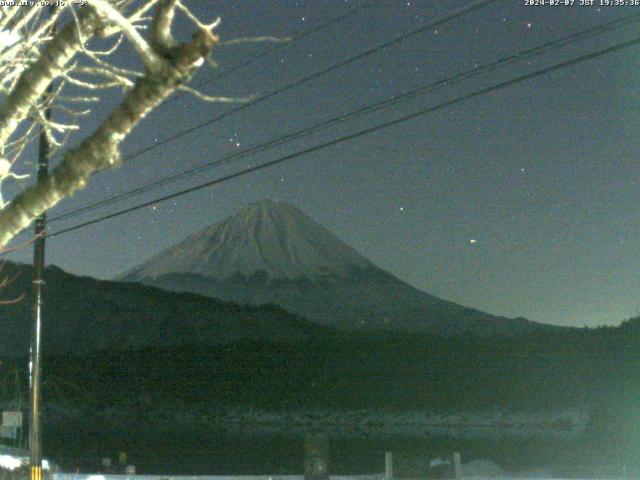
(383, 104)
(345, 138)
(295, 37)
(251, 60)
(397, 39)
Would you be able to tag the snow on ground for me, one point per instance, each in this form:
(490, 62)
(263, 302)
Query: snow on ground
(466, 476)
(76, 476)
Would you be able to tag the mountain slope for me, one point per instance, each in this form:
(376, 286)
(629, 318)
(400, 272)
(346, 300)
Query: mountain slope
(268, 237)
(271, 252)
(84, 315)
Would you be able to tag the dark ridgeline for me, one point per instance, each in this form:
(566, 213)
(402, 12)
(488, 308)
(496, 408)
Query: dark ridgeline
(84, 315)
(130, 364)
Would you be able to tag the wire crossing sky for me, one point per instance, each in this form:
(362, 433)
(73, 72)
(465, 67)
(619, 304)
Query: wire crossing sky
(519, 200)
(217, 181)
(317, 74)
(394, 100)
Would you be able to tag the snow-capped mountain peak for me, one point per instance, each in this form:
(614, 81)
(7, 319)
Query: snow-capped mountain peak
(266, 237)
(271, 252)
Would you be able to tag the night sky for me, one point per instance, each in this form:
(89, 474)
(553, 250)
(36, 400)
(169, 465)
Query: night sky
(521, 202)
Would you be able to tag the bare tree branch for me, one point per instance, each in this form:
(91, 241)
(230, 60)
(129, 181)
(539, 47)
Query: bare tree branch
(34, 81)
(33, 57)
(242, 40)
(214, 99)
(149, 57)
(161, 37)
(101, 149)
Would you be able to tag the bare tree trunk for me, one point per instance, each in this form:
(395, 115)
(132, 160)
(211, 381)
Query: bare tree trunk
(101, 150)
(172, 66)
(51, 64)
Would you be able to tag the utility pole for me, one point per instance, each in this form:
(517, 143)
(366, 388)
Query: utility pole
(35, 437)
(35, 440)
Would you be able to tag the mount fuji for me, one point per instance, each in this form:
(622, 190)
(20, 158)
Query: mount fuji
(272, 252)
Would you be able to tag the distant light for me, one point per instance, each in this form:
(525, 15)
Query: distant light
(473, 240)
